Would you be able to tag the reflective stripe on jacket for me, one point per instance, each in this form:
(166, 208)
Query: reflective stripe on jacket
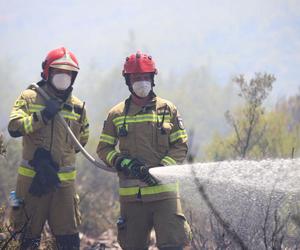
(66, 173)
(149, 193)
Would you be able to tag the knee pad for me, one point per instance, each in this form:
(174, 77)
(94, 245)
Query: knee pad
(68, 242)
(30, 243)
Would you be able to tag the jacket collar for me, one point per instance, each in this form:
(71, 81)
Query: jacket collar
(50, 91)
(135, 109)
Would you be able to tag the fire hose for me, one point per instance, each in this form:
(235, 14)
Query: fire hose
(98, 164)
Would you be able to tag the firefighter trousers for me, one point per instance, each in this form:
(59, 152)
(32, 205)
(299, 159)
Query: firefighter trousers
(59, 208)
(164, 216)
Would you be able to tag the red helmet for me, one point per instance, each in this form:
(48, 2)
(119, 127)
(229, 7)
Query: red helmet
(60, 58)
(139, 63)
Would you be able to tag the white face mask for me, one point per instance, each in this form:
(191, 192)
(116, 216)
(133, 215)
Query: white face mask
(141, 88)
(61, 81)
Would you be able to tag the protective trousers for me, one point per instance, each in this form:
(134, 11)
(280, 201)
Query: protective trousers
(164, 216)
(68, 242)
(28, 243)
(59, 208)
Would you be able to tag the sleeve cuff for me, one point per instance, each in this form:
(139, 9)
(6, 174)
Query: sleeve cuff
(167, 160)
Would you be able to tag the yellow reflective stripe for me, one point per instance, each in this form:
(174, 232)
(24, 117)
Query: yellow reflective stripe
(128, 191)
(67, 176)
(178, 135)
(85, 134)
(110, 156)
(13, 116)
(85, 121)
(167, 160)
(17, 114)
(35, 107)
(26, 171)
(108, 139)
(70, 115)
(27, 122)
(134, 117)
(20, 103)
(171, 187)
(62, 176)
(65, 113)
(34, 110)
(141, 118)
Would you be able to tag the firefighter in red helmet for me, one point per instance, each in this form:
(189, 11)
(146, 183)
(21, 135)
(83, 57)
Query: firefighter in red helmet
(149, 132)
(45, 185)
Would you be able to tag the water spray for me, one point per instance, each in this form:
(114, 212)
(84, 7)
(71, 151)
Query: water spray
(241, 195)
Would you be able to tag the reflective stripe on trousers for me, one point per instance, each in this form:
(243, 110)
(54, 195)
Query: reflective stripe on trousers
(150, 190)
(65, 173)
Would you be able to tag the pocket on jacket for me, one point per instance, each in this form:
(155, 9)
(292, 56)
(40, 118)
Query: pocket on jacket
(187, 232)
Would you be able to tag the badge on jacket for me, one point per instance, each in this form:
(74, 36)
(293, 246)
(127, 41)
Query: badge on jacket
(180, 122)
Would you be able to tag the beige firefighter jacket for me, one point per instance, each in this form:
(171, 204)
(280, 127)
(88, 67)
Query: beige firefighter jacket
(25, 120)
(156, 136)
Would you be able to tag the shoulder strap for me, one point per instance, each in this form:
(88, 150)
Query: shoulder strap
(39, 90)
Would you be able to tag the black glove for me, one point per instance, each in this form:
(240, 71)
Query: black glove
(146, 177)
(128, 165)
(51, 109)
(134, 168)
(46, 178)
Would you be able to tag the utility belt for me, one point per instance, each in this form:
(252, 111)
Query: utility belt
(65, 173)
(142, 191)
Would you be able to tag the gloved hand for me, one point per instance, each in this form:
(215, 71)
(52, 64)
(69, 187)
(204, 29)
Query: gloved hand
(51, 109)
(127, 165)
(46, 178)
(146, 177)
(134, 168)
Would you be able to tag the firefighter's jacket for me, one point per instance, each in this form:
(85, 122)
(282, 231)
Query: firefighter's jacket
(25, 120)
(155, 135)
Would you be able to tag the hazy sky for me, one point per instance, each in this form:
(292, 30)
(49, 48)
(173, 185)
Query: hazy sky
(228, 37)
